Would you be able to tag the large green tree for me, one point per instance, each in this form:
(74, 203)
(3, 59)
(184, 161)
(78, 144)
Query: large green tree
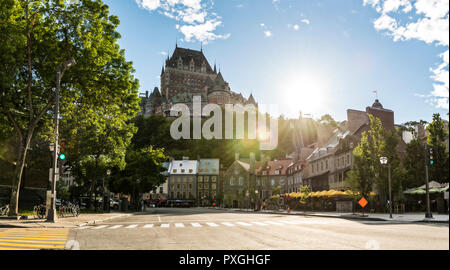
(142, 173)
(414, 164)
(37, 37)
(436, 141)
(366, 169)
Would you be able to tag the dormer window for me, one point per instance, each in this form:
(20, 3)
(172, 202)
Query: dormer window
(192, 65)
(180, 63)
(203, 67)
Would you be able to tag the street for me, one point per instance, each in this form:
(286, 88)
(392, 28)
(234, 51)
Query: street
(209, 229)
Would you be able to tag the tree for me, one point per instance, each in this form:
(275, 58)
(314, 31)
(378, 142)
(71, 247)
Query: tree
(142, 173)
(436, 142)
(414, 164)
(366, 155)
(94, 148)
(37, 36)
(389, 150)
(328, 120)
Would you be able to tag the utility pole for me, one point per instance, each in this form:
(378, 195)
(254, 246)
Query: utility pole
(428, 214)
(51, 216)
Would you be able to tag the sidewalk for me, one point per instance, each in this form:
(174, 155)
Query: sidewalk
(68, 222)
(407, 217)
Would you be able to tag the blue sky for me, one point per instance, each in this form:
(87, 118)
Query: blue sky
(312, 56)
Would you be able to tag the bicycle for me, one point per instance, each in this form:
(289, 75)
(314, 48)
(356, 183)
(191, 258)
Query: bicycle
(62, 210)
(4, 211)
(39, 211)
(75, 209)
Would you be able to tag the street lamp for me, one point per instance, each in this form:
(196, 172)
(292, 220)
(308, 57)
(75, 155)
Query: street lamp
(51, 216)
(384, 161)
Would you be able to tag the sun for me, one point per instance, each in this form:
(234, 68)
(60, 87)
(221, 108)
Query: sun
(306, 93)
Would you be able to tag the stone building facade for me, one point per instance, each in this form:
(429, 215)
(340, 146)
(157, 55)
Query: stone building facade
(187, 73)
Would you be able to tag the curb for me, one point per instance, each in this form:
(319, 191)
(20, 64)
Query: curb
(90, 222)
(342, 217)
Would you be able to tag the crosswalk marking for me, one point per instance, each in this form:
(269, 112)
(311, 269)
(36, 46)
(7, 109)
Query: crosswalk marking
(244, 224)
(198, 225)
(99, 227)
(275, 223)
(290, 222)
(260, 223)
(32, 239)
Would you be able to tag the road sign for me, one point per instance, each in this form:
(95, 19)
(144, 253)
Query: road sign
(363, 202)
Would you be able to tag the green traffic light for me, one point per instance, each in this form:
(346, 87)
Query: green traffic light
(431, 162)
(62, 156)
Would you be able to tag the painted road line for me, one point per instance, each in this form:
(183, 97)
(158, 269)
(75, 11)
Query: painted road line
(33, 241)
(99, 227)
(41, 246)
(148, 226)
(10, 248)
(290, 222)
(275, 223)
(211, 224)
(132, 226)
(196, 225)
(179, 225)
(244, 224)
(26, 239)
(165, 225)
(228, 224)
(115, 227)
(260, 223)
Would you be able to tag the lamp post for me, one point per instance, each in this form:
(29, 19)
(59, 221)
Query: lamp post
(384, 161)
(51, 216)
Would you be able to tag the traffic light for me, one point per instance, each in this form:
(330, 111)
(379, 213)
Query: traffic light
(62, 150)
(431, 157)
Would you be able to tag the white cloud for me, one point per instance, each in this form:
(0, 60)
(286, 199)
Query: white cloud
(268, 33)
(430, 24)
(202, 32)
(306, 21)
(163, 53)
(195, 20)
(296, 27)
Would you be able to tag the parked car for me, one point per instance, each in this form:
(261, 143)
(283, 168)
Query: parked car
(114, 204)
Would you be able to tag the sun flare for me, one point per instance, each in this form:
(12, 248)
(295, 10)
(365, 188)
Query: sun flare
(305, 93)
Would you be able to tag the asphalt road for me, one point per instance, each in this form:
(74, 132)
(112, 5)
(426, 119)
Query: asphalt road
(209, 229)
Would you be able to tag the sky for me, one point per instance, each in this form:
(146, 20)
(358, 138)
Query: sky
(317, 57)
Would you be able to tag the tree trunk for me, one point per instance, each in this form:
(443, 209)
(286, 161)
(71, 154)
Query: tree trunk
(15, 187)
